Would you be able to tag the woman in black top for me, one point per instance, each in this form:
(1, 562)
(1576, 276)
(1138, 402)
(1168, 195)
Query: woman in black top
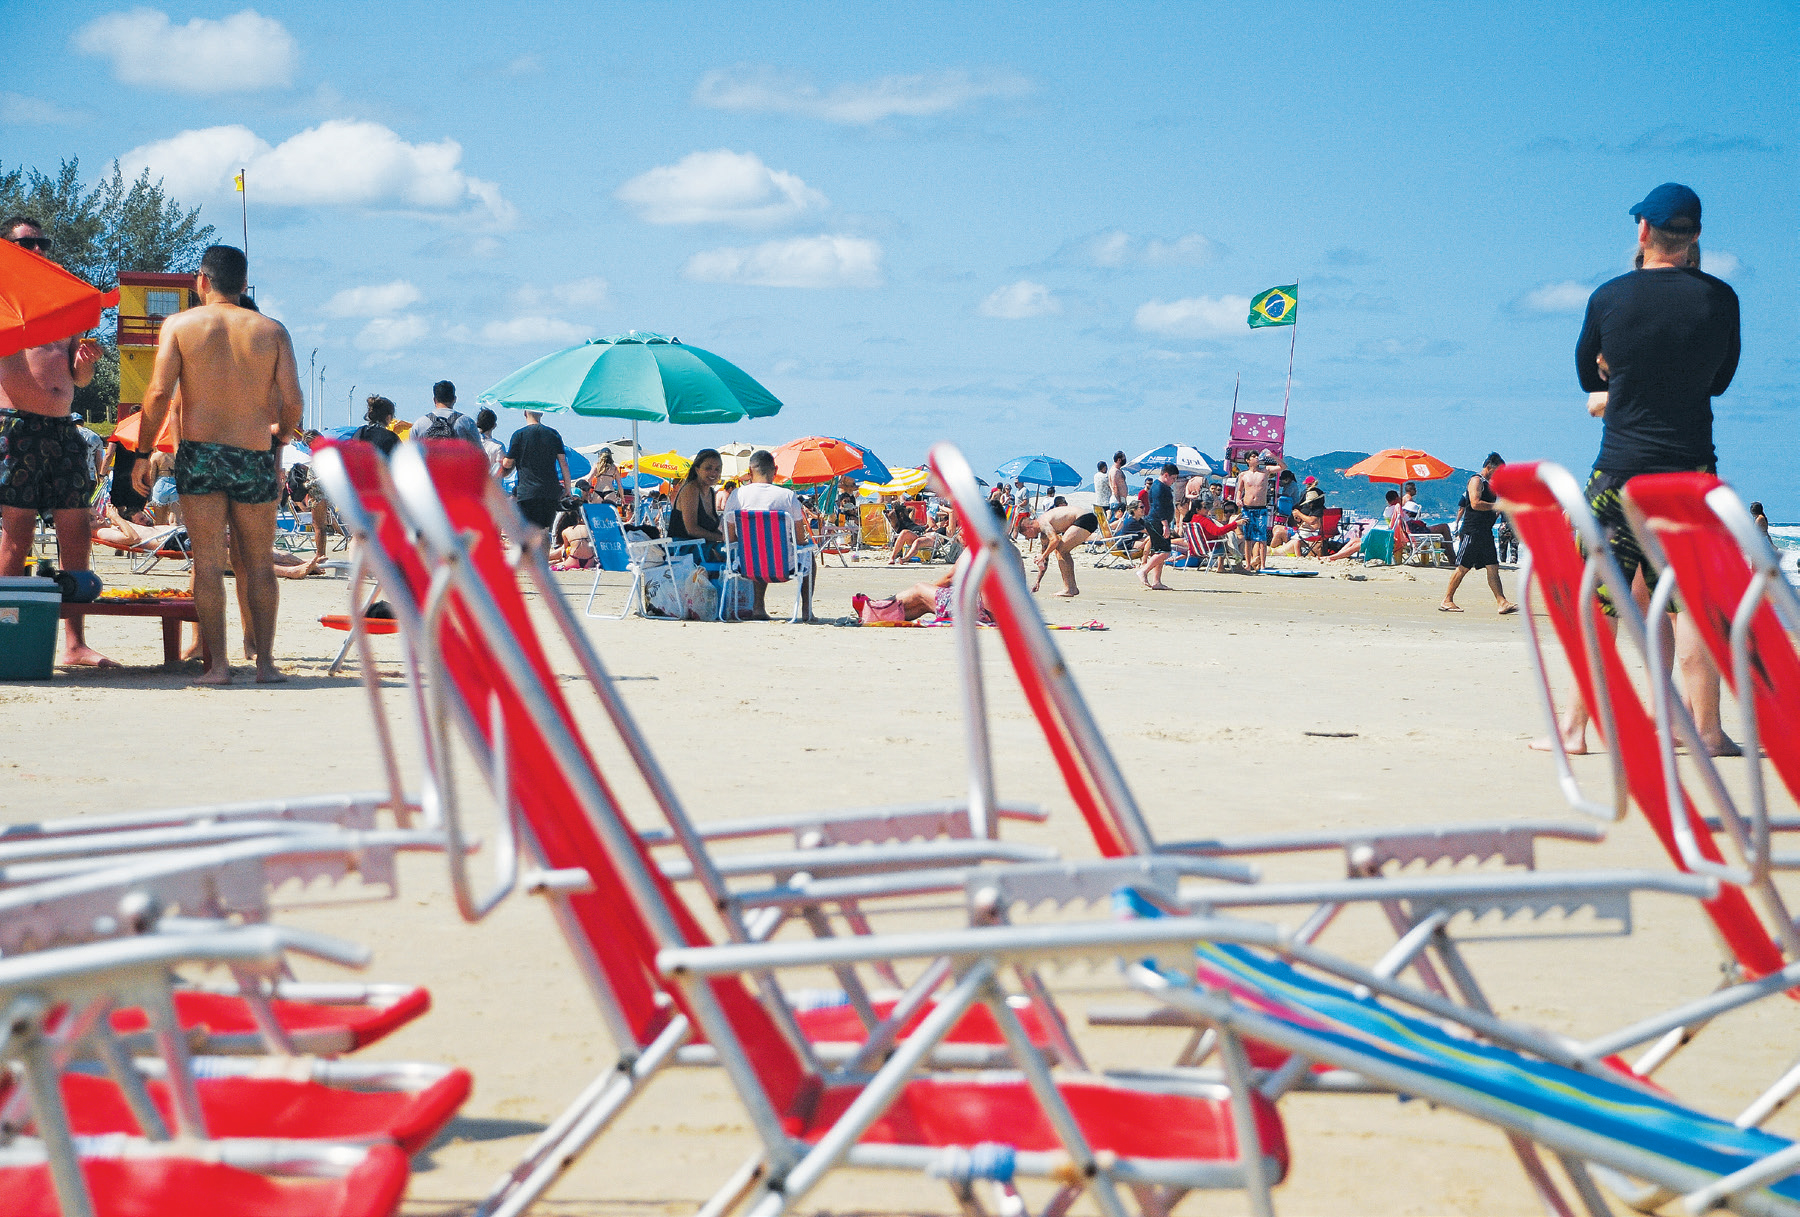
(695, 516)
(375, 425)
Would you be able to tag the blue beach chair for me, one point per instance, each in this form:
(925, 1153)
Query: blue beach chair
(1574, 1100)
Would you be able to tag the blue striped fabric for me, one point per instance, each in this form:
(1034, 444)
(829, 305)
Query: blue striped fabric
(1332, 1016)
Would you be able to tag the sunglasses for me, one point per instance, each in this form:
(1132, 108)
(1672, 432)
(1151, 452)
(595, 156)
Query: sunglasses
(37, 244)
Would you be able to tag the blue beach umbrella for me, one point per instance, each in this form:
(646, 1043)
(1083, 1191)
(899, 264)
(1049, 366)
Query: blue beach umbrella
(579, 465)
(1185, 457)
(872, 469)
(1040, 470)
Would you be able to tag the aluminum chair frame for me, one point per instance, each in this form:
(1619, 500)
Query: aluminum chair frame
(800, 568)
(87, 981)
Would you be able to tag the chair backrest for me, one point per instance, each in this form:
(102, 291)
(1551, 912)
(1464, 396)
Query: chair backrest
(607, 536)
(919, 514)
(760, 545)
(1684, 531)
(1330, 521)
(493, 655)
(1198, 540)
(1542, 501)
(1093, 777)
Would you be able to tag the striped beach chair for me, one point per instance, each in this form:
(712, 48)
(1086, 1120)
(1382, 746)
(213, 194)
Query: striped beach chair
(759, 548)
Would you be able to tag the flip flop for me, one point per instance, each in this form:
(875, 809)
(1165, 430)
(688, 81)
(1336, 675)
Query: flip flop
(1509, 610)
(1448, 608)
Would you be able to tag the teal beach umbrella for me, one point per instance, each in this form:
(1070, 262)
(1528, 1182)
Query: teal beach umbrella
(640, 376)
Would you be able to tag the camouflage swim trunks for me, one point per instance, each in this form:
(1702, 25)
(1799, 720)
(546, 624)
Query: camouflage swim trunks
(44, 463)
(1605, 500)
(241, 475)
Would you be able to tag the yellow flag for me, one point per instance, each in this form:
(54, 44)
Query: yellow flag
(239, 179)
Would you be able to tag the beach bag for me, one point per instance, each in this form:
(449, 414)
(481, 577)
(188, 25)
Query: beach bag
(662, 596)
(741, 600)
(878, 612)
(699, 596)
(441, 426)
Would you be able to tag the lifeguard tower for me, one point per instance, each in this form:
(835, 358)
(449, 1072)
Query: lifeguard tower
(145, 299)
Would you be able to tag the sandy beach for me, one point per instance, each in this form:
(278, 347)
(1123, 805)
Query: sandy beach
(1236, 705)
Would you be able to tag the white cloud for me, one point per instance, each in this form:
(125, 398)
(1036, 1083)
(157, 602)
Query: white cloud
(1565, 297)
(1018, 300)
(524, 65)
(523, 331)
(1117, 249)
(1195, 316)
(823, 261)
(591, 292)
(392, 333)
(720, 187)
(375, 300)
(337, 163)
(17, 110)
(1720, 263)
(763, 90)
(238, 54)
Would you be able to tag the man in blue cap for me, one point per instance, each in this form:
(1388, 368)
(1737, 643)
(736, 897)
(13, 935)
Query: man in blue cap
(1661, 342)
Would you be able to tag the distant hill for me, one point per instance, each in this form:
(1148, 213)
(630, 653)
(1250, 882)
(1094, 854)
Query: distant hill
(1360, 494)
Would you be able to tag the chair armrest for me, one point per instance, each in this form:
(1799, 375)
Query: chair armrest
(1514, 842)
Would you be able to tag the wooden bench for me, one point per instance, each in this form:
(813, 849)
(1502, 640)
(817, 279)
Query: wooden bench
(172, 612)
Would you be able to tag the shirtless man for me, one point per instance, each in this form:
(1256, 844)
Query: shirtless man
(45, 464)
(1253, 496)
(240, 402)
(1060, 530)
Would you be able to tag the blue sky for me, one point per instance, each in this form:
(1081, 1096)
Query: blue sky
(1020, 228)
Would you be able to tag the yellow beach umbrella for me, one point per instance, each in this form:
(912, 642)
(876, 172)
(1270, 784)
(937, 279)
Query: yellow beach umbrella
(906, 481)
(670, 465)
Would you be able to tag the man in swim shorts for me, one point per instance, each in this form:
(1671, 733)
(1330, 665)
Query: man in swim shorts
(240, 402)
(1661, 342)
(1253, 496)
(1060, 530)
(45, 464)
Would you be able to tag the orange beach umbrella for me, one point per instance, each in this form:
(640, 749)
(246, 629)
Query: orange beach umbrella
(126, 433)
(40, 302)
(815, 459)
(1400, 465)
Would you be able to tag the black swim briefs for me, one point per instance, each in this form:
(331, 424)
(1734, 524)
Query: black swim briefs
(1087, 522)
(240, 474)
(45, 464)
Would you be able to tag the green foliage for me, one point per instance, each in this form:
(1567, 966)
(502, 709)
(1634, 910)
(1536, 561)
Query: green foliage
(113, 226)
(98, 231)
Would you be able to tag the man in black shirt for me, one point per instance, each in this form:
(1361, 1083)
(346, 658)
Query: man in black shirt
(1662, 342)
(536, 451)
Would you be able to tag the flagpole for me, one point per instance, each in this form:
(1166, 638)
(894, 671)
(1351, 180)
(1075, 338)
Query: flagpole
(1293, 335)
(244, 200)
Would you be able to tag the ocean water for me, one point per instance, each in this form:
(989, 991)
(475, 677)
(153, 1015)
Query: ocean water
(1787, 540)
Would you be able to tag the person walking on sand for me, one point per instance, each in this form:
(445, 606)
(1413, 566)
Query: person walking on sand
(1661, 342)
(445, 421)
(536, 451)
(1475, 549)
(1060, 530)
(1159, 518)
(240, 402)
(44, 461)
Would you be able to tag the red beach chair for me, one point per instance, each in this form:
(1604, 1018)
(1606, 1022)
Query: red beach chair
(55, 1000)
(1730, 579)
(1064, 1129)
(1543, 501)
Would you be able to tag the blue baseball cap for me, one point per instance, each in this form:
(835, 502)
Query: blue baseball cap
(1670, 206)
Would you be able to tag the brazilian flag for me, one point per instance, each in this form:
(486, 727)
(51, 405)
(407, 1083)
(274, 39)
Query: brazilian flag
(1277, 306)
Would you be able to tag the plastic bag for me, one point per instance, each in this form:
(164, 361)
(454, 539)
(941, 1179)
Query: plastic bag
(699, 595)
(662, 596)
(878, 612)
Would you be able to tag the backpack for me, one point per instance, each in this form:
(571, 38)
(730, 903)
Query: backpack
(441, 426)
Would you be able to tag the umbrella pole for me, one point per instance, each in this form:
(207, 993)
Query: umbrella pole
(637, 477)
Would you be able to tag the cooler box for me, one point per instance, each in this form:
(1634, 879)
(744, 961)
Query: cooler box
(29, 611)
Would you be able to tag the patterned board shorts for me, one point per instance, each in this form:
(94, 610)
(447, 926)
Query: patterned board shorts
(240, 474)
(1608, 505)
(45, 464)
